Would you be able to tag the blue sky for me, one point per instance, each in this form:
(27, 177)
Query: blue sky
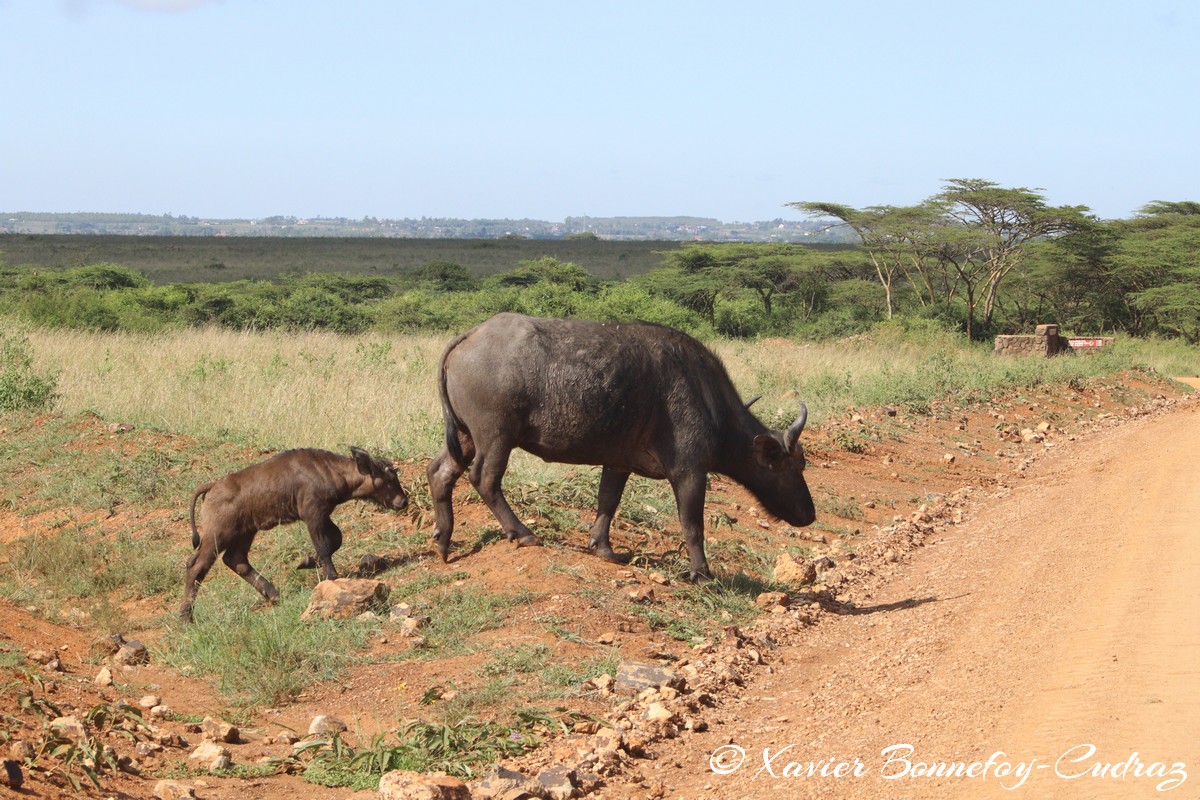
(392, 108)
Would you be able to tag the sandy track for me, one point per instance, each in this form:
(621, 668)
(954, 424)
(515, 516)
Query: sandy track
(1064, 617)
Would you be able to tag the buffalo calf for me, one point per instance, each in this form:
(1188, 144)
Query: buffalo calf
(305, 484)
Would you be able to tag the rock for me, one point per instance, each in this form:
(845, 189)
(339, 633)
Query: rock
(345, 597)
(103, 677)
(69, 728)
(131, 654)
(173, 790)
(643, 595)
(790, 571)
(633, 677)
(403, 785)
(285, 737)
(150, 701)
(370, 565)
(608, 740)
(602, 683)
(21, 750)
(40, 656)
(558, 782)
(211, 755)
(160, 712)
(659, 578)
(772, 599)
(657, 712)
(503, 783)
(608, 637)
(949, 458)
(145, 749)
(219, 730)
(323, 724)
(409, 626)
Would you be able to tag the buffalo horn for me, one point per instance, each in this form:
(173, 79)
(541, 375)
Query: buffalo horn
(753, 400)
(793, 433)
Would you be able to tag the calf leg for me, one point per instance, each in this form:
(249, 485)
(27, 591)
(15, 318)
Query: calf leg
(326, 538)
(198, 565)
(612, 486)
(689, 497)
(443, 472)
(486, 475)
(236, 558)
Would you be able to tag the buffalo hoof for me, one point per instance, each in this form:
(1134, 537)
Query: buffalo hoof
(529, 540)
(699, 577)
(608, 555)
(308, 562)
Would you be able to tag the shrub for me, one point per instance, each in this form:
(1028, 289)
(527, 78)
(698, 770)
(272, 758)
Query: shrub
(20, 387)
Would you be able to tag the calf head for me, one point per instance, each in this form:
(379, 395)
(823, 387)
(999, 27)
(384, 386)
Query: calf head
(779, 483)
(380, 482)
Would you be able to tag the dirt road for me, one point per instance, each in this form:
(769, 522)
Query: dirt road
(1049, 648)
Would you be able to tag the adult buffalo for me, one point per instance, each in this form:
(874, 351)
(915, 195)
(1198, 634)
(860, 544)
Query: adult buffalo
(632, 398)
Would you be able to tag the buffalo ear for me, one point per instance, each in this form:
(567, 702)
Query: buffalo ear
(363, 459)
(768, 452)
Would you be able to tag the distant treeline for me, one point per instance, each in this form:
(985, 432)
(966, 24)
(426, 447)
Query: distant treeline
(1010, 264)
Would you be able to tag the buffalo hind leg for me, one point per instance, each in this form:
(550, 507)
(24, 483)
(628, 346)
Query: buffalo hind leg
(689, 497)
(487, 474)
(612, 486)
(236, 558)
(443, 472)
(198, 564)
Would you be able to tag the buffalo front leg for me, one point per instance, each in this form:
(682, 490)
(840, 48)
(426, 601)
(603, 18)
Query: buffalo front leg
(487, 474)
(689, 497)
(326, 538)
(612, 486)
(443, 472)
(236, 558)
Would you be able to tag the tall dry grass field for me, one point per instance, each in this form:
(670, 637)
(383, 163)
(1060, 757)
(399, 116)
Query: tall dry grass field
(272, 389)
(323, 390)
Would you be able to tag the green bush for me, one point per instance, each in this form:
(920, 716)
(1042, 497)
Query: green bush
(21, 388)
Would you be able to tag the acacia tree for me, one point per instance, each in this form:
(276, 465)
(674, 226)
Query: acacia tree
(959, 244)
(999, 223)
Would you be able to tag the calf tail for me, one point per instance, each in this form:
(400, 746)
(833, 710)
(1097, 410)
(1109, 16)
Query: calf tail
(196, 495)
(453, 423)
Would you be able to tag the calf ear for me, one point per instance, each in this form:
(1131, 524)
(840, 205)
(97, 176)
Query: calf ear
(768, 452)
(363, 459)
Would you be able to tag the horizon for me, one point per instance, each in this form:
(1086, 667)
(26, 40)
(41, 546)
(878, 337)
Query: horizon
(226, 110)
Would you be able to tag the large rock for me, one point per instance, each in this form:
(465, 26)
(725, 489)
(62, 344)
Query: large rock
(219, 730)
(502, 783)
(402, 785)
(345, 598)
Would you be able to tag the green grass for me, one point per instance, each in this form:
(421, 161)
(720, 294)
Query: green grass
(261, 656)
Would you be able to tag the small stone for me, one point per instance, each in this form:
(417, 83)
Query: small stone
(160, 712)
(643, 595)
(104, 677)
(173, 790)
(634, 677)
(657, 712)
(659, 578)
(211, 755)
(150, 701)
(69, 728)
(410, 625)
(131, 654)
(557, 782)
(608, 637)
(949, 458)
(772, 599)
(145, 749)
(219, 730)
(323, 724)
(285, 737)
(21, 750)
(791, 571)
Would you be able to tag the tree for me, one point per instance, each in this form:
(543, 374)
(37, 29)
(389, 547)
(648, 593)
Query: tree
(998, 223)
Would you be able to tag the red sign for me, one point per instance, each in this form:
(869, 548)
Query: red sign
(1085, 343)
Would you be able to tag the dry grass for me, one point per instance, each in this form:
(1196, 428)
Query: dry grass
(272, 389)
